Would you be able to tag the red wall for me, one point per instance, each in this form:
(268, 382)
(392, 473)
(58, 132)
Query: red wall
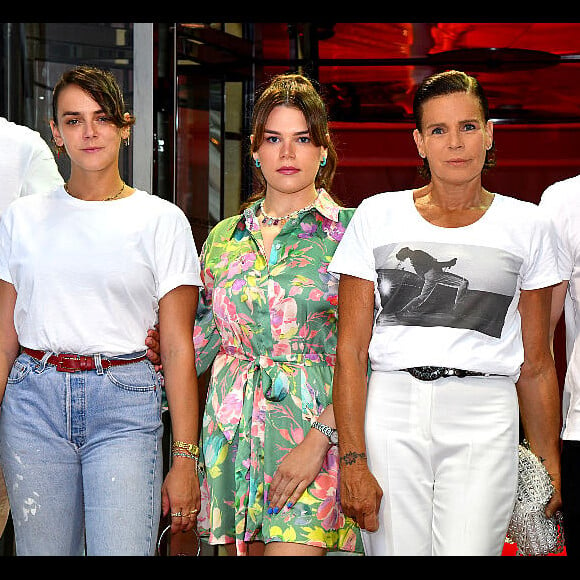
(375, 157)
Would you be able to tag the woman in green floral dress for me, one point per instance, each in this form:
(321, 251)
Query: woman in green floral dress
(267, 323)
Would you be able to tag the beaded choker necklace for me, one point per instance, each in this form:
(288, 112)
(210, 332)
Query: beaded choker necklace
(269, 220)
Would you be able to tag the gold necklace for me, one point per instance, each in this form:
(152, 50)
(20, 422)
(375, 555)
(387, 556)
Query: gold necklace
(274, 220)
(110, 198)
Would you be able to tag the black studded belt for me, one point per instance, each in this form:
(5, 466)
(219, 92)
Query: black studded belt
(434, 373)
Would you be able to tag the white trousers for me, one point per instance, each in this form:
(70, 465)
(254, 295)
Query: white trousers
(445, 454)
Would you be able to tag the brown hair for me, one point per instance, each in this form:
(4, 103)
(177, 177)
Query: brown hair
(102, 86)
(293, 90)
(447, 83)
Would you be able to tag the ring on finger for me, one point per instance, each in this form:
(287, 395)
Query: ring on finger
(177, 515)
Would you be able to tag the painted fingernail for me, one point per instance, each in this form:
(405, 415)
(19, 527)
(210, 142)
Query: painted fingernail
(276, 510)
(289, 504)
(270, 511)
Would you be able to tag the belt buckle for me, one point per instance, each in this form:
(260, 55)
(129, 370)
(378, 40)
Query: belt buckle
(428, 373)
(61, 362)
(434, 373)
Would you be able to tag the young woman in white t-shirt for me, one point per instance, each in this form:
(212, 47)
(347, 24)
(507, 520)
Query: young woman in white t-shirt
(438, 423)
(85, 271)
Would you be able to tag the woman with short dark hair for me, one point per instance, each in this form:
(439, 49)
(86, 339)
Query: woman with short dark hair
(85, 271)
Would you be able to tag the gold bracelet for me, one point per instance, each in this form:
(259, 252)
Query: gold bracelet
(190, 448)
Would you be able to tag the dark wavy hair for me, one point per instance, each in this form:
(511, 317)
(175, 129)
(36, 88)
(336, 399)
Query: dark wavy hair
(447, 83)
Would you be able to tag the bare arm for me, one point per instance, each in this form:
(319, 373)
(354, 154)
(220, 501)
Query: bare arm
(537, 387)
(558, 298)
(176, 318)
(9, 347)
(360, 492)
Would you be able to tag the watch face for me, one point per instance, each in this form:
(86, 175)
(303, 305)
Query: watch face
(334, 437)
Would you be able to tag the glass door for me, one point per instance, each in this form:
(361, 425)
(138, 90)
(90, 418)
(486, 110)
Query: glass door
(203, 75)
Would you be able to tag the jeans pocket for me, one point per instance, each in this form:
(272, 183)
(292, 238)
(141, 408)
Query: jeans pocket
(139, 376)
(18, 372)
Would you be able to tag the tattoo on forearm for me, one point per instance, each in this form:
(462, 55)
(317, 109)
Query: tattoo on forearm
(351, 457)
(542, 459)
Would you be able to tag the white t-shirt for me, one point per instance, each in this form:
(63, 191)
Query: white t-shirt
(561, 202)
(27, 165)
(447, 296)
(89, 274)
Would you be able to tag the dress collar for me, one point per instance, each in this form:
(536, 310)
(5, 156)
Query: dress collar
(324, 204)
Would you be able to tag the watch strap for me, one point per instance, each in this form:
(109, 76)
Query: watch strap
(328, 431)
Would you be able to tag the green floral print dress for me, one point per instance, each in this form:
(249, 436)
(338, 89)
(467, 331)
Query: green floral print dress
(269, 328)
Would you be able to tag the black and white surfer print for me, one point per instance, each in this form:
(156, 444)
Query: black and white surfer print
(436, 284)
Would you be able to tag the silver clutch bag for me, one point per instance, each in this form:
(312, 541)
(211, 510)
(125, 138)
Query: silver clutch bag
(529, 528)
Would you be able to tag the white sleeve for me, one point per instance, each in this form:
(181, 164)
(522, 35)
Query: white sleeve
(354, 255)
(5, 246)
(41, 175)
(177, 261)
(551, 207)
(541, 268)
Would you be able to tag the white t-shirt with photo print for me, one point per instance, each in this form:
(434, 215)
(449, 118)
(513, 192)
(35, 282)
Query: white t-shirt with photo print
(447, 296)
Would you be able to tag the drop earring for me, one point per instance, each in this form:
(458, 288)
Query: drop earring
(323, 162)
(257, 162)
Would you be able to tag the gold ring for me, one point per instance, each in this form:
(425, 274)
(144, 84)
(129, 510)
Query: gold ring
(193, 512)
(177, 515)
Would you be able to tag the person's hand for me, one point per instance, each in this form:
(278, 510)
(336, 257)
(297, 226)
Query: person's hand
(360, 495)
(180, 495)
(154, 350)
(554, 504)
(297, 471)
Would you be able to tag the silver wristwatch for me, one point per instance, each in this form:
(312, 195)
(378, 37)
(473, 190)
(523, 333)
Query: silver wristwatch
(331, 433)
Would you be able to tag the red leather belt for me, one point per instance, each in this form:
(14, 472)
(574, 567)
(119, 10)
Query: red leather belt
(72, 363)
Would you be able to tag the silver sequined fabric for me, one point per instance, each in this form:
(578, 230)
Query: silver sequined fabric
(529, 528)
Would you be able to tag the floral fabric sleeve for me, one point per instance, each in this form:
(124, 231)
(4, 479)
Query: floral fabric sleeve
(206, 337)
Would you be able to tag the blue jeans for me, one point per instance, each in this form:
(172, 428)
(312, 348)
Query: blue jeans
(81, 454)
